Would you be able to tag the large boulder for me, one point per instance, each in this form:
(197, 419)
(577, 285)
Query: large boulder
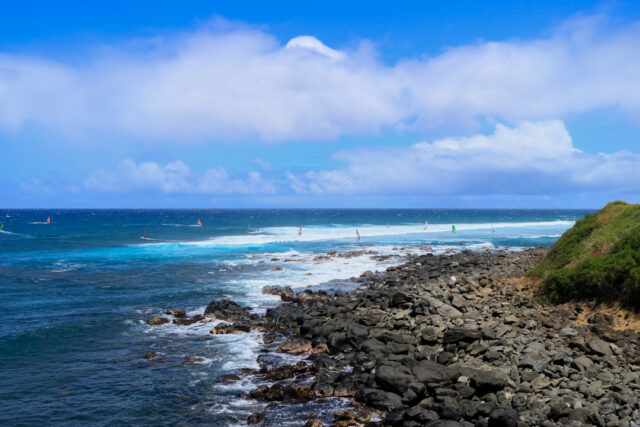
(225, 310)
(432, 374)
(486, 378)
(454, 335)
(379, 399)
(394, 377)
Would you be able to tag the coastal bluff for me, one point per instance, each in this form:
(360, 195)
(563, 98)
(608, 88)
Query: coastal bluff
(597, 259)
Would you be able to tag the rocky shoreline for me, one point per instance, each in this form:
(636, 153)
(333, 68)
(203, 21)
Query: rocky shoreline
(445, 341)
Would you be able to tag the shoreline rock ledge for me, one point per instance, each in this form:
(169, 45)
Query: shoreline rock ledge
(412, 347)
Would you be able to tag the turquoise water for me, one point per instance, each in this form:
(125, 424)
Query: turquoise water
(75, 295)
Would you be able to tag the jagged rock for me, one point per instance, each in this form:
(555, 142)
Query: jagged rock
(155, 321)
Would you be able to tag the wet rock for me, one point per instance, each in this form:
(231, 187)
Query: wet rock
(150, 355)
(226, 310)
(284, 292)
(229, 378)
(192, 360)
(230, 328)
(155, 321)
(256, 418)
(190, 321)
(295, 346)
(176, 313)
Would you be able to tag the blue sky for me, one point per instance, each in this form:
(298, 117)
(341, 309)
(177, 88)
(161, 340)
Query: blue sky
(334, 104)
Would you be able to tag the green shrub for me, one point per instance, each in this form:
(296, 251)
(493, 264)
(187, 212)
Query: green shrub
(614, 276)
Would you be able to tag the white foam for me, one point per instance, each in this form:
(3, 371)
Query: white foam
(341, 232)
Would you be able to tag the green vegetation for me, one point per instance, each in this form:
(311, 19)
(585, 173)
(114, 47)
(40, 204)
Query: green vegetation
(599, 258)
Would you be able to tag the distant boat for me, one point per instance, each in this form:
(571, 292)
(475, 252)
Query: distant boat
(426, 225)
(300, 230)
(199, 223)
(146, 233)
(453, 229)
(8, 216)
(48, 220)
(357, 234)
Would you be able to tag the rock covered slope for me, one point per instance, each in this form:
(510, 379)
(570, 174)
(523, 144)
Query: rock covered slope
(413, 347)
(421, 348)
(599, 258)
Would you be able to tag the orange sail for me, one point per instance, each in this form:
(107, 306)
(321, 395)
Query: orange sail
(48, 220)
(199, 223)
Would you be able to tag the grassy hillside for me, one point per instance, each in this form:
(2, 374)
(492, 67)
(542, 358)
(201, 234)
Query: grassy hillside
(599, 258)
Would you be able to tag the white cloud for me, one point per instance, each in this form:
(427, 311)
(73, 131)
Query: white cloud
(174, 178)
(231, 82)
(313, 44)
(529, 158)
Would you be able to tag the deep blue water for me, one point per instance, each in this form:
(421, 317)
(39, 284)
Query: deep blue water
(75, 295)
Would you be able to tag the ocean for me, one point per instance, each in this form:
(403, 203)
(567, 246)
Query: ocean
(75, 295)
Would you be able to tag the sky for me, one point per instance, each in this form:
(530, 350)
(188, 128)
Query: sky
(463, 104)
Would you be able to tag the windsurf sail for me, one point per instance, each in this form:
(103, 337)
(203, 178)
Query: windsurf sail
(199, 223)
(48, 220)
(300, 230)
(453, 229)
(426, 225)
(387, 225)
(357, 234)
(2, 227)
(146, 233)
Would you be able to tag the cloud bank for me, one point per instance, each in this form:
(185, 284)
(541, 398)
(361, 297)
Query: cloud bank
(236, 83)
(530, 158)
(174, 178)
